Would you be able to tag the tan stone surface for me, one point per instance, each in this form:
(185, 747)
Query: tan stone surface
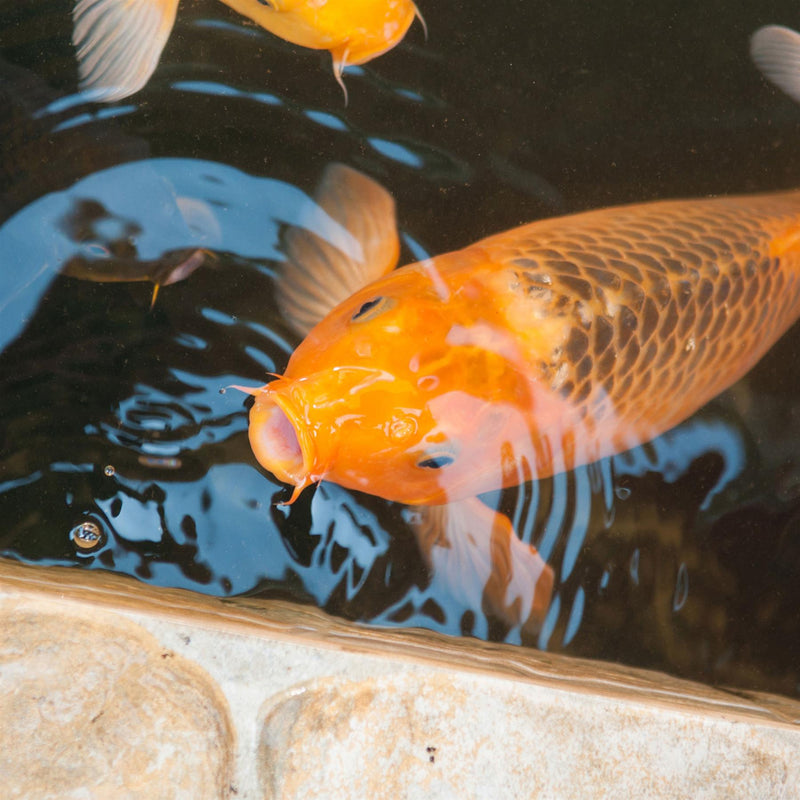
(134, 682)
(314, 632)
(439, 736)
(93, 707)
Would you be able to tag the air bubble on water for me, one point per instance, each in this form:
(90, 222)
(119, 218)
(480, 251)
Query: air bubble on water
(87, 536)
(622, 492)
(109, 471)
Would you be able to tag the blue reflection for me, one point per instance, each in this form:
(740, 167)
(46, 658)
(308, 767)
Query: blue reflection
(575, 615)
(672, 453)
(225, 90)
(396, 152)
(192, 415)
(66, 102)
(580, 522)
(237, 29)
(18, 483)
(555, 520)
(157, 206)
(135, 519)
(260, 358)
(246, 546)
(410, 95)
(549, 624)
(351, 539)
(217, 316)
(633, 567)
(681, 588)
(327, 120)
(190, 341)
(107, 112)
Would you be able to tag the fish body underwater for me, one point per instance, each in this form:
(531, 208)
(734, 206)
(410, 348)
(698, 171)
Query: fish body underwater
(523, 355)
(119, 42)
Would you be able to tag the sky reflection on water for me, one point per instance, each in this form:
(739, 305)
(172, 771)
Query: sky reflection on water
(671, 555)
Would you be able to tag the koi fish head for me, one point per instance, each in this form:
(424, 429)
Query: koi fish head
(399, 393)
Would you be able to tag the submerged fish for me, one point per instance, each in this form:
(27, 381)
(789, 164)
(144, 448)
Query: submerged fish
(528, 353)
(119, 42)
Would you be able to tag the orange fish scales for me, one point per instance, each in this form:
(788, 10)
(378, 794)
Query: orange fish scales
(723, 291)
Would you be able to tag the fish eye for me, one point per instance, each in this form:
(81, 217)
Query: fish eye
(436, 462)
(370, 309)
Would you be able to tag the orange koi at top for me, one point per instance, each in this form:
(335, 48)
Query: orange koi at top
(528, 353)
(119, 42)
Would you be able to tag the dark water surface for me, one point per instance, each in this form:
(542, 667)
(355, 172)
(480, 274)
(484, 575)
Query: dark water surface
(682, 555)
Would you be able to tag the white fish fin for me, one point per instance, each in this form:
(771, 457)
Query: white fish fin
(119, 42)
(338, 252)
(775, 50)
(477, 553)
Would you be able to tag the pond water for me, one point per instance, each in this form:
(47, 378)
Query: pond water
(120, 449)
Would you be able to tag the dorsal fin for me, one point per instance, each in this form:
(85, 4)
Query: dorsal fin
(337, 253)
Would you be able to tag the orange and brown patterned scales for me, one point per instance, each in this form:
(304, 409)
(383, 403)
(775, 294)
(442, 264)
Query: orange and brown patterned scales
(633, 317)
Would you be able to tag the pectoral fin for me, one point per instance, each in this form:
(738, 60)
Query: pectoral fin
(333, 254)
(119, 42)
(478, 554)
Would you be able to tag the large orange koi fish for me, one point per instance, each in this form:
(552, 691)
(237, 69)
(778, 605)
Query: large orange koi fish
(526, 354)
(119, 42)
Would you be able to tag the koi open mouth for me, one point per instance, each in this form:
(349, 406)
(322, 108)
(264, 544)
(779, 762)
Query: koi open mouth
(275, 442)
